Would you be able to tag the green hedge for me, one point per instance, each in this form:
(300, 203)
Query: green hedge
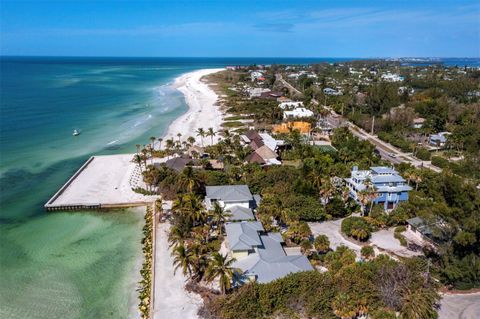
(440, 162)
(423, 154)
(396, 140)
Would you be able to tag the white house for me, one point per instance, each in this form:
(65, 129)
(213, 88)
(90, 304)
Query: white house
(290, 104)
(256, 75)
(257, 92)
(297, 113)
(389, 77)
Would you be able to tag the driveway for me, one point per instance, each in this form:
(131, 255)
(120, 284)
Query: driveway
(332, 230)
(384, 239)
(460, 306)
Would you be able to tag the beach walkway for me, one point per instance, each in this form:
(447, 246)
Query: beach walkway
(102, 182)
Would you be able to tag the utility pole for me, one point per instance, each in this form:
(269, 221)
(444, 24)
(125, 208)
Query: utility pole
(373, 124)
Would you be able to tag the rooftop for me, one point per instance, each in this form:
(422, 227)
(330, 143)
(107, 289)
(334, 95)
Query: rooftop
(240, 213)
(229, 193)
(270, 262)
(243, 235)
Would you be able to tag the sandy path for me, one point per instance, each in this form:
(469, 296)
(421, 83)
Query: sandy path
(203, 110)
(172, 301)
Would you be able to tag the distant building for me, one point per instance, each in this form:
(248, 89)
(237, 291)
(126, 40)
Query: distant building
(298, 113)
(302, 127)
(330, 91)
(290, 104)
(389, 77)
(256, 75)
(418, 122)
(439, 139)
(390, 188)
(257, 92)
(283, 99)
(264, 148)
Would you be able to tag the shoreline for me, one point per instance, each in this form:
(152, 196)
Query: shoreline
(203, 109)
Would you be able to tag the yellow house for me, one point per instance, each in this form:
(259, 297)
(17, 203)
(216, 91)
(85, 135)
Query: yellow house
(243, 237)
(302, 127)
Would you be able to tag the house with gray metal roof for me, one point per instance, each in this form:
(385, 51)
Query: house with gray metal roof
(269, 261)
(243, 237)
(236, 199)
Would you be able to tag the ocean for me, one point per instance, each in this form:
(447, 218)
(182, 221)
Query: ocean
(78, 264)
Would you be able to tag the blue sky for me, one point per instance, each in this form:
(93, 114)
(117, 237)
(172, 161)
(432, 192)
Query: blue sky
(261, 28)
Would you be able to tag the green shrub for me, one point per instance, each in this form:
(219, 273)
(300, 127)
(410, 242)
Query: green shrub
(440, 161)
(356, 227)
(367, 252)
(423, 154)
(232, 124)
(400, 229)
(400, 238)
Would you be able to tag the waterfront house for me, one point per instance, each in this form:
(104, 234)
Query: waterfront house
(387, 185)
(260, 256)
(234, 198)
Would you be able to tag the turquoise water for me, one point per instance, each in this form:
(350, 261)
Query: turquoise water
(81, 264)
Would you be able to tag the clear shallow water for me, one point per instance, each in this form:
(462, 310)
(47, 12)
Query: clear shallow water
(82, 264)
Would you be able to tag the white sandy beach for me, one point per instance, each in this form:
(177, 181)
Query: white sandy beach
(172, 301)
(203, 111)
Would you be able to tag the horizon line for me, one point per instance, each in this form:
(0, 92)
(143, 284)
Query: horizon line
(241, 57)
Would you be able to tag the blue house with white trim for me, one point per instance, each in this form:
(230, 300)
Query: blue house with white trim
(389, 186)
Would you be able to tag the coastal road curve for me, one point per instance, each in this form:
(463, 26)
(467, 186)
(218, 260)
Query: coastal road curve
(460, 306)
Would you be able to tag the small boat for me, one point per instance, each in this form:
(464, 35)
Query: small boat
(76, 133)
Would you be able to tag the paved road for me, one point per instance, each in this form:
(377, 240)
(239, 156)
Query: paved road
(460, 306)
(279, 78)
(385, 149)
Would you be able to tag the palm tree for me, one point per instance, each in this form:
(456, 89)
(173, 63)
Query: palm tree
(220, 266)
(190, 207)
(182, 258)
(169, 144)
(201, 133)
(152, 140)
(343, 307)
(417, 178)
(220, 215)
(419, 303)
(188, 179)
(179, 135)
(200, 260)
(160, 140)
(327, 190)
(191, 140)
(211, 133)
(363, 198)
(176, 236)
(138, 159)
(321, 243)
